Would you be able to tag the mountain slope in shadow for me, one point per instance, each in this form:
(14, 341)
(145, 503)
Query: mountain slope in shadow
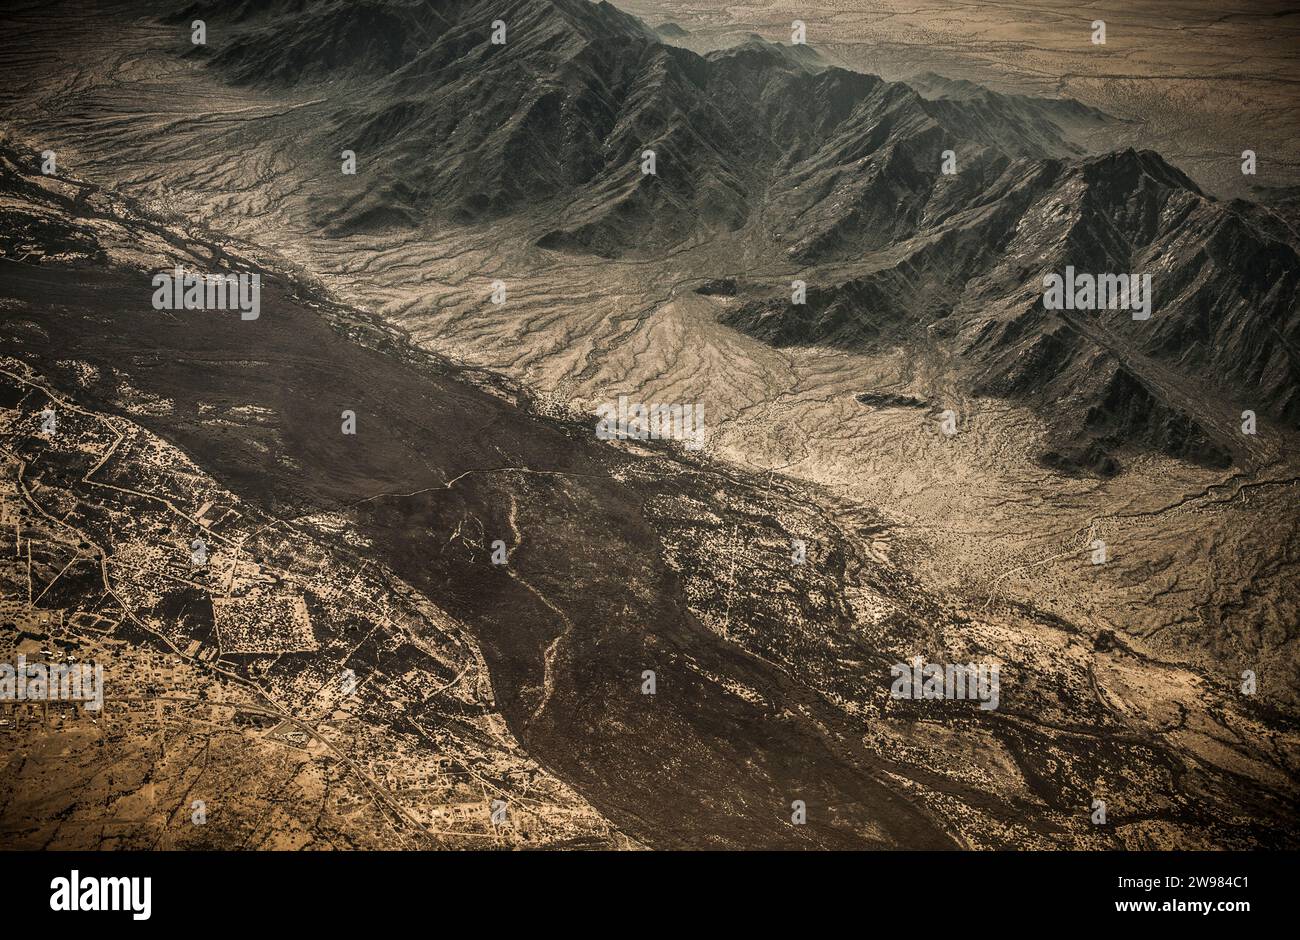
(836, 172)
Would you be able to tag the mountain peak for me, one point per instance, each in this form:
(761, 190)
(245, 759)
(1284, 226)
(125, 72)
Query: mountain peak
(1125, 167)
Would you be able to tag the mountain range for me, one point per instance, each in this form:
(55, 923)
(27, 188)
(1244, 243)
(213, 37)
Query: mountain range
(834, 175)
